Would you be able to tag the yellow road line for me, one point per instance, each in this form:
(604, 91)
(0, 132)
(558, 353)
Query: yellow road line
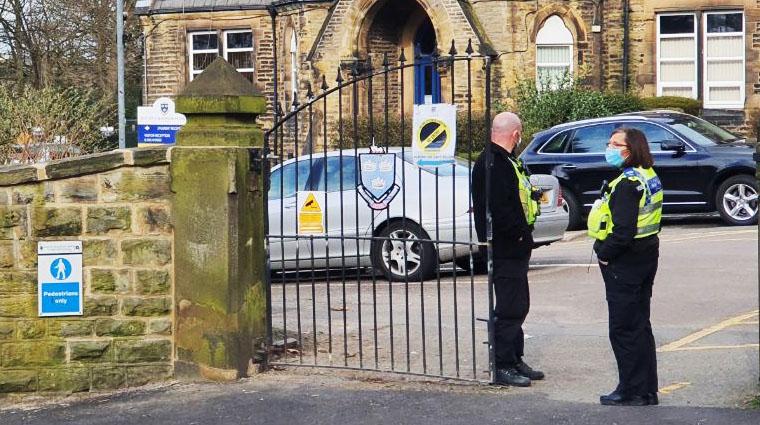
(715, 347)
(668, 389)
(749, 323)
(707, 235)
(673, 346)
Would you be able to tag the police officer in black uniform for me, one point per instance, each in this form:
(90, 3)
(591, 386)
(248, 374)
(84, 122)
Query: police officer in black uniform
(512, 243)
(625, 223)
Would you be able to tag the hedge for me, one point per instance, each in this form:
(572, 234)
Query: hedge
(681, 104)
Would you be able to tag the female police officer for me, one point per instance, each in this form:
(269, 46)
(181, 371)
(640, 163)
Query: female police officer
(625, 223)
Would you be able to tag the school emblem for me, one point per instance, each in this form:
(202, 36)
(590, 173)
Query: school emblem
(377, 184)
(164, 108)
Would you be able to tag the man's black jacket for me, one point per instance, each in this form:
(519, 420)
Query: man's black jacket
(508, 218)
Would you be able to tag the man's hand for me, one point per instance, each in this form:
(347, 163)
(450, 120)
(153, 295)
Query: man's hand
(604, 263)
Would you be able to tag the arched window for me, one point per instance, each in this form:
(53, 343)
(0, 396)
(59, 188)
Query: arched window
(293, 63)
(554, 52)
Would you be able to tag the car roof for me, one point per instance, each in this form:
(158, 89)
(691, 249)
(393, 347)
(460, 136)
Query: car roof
(661, 116)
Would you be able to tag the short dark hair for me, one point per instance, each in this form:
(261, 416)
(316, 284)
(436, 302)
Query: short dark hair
(638, 148)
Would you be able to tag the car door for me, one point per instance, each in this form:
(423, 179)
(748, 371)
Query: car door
(586, 169)
(283, 185)
(344, 215)
(675, 169)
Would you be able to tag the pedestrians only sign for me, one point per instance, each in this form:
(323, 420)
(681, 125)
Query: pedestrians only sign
(59, 278)
(311, 215)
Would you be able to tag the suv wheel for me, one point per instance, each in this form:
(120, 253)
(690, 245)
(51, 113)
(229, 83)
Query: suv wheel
(403, 252)
(575, 210)
(736, 200)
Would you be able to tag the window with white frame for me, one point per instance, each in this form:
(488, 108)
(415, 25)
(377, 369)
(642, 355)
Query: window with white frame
(554, 52)
(294, 63)
(677, 55)
(723, 59)
(202, 50)
(236, 48)
(238, 51)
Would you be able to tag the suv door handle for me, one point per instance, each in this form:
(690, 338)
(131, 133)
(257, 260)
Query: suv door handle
(569, 167)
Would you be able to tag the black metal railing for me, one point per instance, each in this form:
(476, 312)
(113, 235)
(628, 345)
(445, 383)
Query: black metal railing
(334, 298)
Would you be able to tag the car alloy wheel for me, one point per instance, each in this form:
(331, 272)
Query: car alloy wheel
(740, 202)
(402, 253)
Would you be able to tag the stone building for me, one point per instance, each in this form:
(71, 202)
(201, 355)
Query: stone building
(704, 49)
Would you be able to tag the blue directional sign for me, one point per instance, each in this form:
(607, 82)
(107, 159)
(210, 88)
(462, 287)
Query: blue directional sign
(160, 134)
(59, 278)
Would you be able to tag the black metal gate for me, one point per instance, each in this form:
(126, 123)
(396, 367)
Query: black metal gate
(395, 290)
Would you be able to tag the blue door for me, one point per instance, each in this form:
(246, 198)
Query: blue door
(427, 80)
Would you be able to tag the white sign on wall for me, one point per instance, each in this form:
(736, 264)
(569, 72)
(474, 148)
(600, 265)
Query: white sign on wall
(59, 278)
(158, 124)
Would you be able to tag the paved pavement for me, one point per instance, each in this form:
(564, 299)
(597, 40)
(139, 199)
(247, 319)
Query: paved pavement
(295, 399)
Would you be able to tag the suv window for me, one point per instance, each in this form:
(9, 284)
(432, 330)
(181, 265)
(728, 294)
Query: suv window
(591, 139)
(558, 144)
(333, 174)
(285, 178)
(655, 134)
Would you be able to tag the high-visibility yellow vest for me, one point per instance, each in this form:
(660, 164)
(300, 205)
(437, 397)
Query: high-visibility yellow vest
(526, 189)
(600, 223)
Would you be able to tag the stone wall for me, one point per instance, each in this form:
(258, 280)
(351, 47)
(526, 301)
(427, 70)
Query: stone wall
(117, 203)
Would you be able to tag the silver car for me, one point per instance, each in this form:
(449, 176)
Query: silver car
(428, 222)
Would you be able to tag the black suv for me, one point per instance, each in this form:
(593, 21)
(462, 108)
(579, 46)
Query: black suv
(703, 167)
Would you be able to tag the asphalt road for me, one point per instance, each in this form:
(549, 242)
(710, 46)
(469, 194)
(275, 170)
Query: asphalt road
(704, 315)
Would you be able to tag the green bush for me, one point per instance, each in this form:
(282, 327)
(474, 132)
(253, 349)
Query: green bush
(681, 104)
(543, 107)
(45, 124)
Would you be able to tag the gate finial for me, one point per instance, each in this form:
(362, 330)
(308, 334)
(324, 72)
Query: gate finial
(402, 57)
(452, 50)
(324, 86)
(469, 49)
(385, 60)
(340, 77)
(309, 93)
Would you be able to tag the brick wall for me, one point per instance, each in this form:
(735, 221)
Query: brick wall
(117, 203)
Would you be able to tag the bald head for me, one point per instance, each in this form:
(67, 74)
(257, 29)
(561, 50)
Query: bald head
(506, 130)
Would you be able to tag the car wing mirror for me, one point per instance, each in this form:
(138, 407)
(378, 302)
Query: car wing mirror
(673, 145)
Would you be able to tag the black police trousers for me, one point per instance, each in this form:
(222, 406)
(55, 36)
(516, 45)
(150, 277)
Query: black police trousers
(628, 283)
(510, 282)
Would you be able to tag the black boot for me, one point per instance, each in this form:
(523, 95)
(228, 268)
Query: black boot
(510, 376)
(652, 399)
(528, 372)
(616, 399)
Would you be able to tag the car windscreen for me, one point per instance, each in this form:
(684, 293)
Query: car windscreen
(702, 132)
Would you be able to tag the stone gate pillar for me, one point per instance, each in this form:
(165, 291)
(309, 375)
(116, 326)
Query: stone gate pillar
(217, 210)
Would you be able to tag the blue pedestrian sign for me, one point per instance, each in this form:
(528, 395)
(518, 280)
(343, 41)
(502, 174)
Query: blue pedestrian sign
(59, 278)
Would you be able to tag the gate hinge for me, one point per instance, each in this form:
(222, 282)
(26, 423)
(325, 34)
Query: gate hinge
(255, 160)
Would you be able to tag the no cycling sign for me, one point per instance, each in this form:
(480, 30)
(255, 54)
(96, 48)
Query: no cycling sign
(435, 134)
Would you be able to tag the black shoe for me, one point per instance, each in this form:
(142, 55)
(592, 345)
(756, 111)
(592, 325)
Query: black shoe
(528, 372)
(615, 399)
(652, 399)
(510, 376)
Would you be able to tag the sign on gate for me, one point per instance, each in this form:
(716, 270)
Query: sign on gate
(311, 214)
(434, 134)
(158, 124)
(377, 184)
(59, 278)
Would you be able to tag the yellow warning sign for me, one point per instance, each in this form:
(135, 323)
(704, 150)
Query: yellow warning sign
(311, 219)
(311, 204)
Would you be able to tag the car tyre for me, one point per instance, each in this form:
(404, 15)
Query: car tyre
(737, 200)
(479, 264)
(575, 210)
(387, 255)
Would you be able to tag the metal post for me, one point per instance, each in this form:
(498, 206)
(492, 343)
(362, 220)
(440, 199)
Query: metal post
(489, 223)
(120, 69)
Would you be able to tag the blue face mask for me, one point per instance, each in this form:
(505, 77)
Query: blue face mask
(614, 157)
